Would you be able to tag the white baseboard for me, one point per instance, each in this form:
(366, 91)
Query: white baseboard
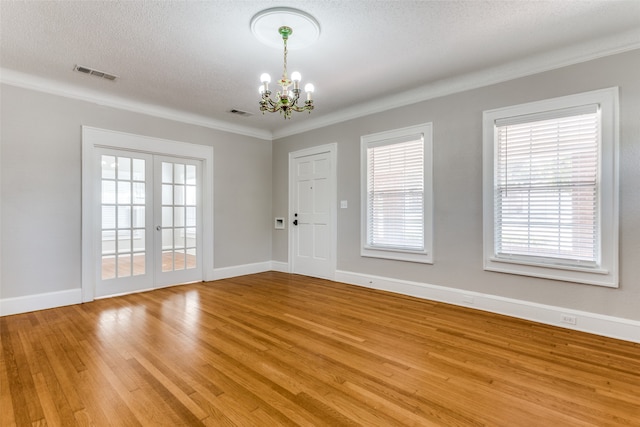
(608, 326)
(282, 267)
(241, 270)
(44, 301)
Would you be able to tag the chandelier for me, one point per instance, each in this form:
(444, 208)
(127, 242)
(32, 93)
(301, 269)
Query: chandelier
(286, 99)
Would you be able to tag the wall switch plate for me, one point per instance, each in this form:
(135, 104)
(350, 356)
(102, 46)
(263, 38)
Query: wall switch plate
(343, 204)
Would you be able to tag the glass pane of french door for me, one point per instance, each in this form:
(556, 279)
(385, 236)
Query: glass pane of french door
(179, 216)
(123, 216)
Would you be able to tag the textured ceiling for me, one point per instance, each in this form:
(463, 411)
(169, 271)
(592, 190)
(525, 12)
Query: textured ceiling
(198, 59)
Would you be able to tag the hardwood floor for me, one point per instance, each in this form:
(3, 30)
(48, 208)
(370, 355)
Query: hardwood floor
(274, 349)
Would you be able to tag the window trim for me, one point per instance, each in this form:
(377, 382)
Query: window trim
(605, 273)
(426, 255)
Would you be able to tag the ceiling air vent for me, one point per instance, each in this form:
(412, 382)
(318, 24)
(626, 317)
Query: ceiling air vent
(94, 72)
(240, 112)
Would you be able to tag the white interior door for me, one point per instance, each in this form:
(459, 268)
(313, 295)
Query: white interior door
(149, 214)
(312, 207)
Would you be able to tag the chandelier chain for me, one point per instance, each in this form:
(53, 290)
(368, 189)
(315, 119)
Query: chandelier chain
(284, 73)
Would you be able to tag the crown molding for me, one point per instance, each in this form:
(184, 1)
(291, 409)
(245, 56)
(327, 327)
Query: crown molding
(559, 58)
(40, 84)
(551, 60)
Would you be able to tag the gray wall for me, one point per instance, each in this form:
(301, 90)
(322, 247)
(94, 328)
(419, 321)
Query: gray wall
(457, 136)
(41, 187)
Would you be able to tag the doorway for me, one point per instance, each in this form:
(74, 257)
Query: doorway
(147, 213)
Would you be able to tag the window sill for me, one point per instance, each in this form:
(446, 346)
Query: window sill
(397, 255)
(555, 266)
(586, 275)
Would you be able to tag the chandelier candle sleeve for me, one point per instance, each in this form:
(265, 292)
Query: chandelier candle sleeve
(265, 79)
(286, 99)
(296, 77)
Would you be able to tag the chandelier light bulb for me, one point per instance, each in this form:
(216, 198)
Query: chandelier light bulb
(261, 89)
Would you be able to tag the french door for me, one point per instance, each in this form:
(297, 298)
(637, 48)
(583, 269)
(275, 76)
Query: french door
(149, 216)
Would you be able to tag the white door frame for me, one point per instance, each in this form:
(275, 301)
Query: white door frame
(332, 150)
(93, 138)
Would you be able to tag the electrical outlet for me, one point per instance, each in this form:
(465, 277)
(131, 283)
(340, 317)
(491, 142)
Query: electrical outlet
(567, 318)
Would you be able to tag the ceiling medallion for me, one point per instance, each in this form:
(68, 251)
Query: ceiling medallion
(263, 26)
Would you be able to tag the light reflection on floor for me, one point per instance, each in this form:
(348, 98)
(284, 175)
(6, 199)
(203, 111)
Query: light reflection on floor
(116, 320)
(178, 323)
(187, 306)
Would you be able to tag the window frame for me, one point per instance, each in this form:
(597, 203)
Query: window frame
(400, 135)
(605, 272)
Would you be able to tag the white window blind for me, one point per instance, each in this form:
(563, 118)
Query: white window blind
(546, 186)
(395, 194)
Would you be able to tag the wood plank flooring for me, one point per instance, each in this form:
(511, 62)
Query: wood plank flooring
(274, 349)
